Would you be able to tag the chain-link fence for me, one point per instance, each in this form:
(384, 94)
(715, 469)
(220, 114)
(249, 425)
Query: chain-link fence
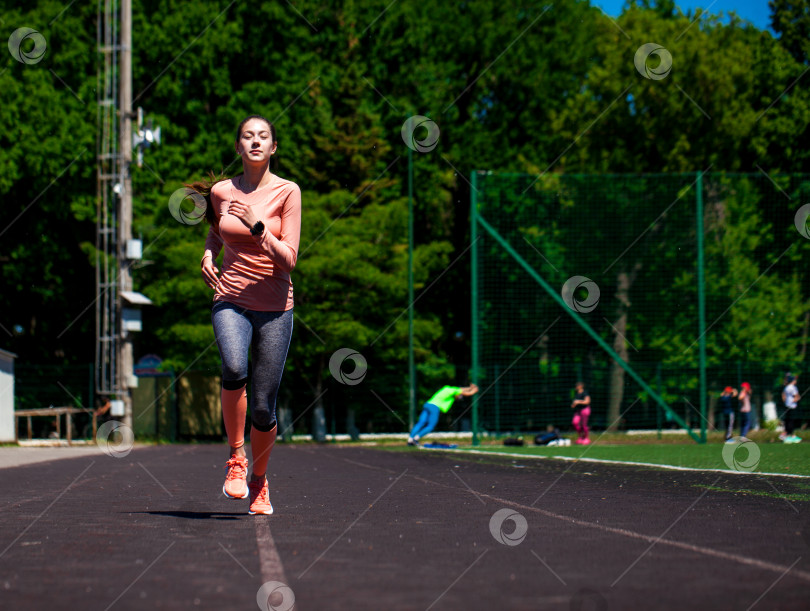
(656, 291)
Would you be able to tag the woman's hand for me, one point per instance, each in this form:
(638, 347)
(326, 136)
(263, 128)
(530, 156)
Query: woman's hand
(209, 272)
(243, 212)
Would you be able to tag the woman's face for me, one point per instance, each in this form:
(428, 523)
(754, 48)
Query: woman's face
(255, 143)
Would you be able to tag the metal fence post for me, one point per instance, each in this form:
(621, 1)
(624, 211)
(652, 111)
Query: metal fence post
(474, 309)
(701, 307)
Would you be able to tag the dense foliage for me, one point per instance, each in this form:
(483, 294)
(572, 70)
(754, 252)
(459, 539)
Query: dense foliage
(514, 85)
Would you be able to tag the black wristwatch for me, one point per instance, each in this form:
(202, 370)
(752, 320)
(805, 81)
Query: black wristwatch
(257, 229)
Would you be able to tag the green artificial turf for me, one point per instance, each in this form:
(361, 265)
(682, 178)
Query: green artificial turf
(774, 457)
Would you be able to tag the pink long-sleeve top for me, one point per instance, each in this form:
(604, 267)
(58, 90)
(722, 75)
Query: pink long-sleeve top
(256, 269)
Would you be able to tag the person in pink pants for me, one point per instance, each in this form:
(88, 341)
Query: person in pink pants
(582, 410)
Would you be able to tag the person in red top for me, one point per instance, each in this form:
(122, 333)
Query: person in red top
(256, 218)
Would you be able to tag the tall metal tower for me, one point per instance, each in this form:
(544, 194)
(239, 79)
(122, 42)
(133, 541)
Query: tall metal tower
(114, 252)
(109, 187)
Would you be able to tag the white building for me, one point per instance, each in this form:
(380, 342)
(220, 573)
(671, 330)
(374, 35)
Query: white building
(7, 422)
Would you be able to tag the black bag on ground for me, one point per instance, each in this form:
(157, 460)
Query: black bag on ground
(544, 438)
(513, 441)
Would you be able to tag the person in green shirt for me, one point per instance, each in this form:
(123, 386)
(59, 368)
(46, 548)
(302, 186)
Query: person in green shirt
(441, 401)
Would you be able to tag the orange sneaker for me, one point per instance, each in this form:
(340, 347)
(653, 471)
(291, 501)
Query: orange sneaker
(259, 498)
(235, 486)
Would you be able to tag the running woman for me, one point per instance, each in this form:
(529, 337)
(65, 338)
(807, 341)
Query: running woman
(582, 411)
(257, 220)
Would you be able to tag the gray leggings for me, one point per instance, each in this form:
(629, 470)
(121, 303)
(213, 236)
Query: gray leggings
(266, 336)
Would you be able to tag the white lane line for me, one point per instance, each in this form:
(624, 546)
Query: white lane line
(778, 579)
(269, 560)
(619, 462)
(706, 551)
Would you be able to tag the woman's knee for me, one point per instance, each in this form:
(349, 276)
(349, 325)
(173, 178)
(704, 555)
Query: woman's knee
(233, 384)
(235, 373)
(263, 421)
(263, 414)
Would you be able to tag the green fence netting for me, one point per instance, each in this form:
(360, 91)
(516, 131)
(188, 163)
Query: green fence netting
(622, 253)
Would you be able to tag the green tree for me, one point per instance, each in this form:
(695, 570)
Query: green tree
(791, 20)
(546, 89)
(47, 155)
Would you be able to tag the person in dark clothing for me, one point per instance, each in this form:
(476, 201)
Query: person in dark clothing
(728, 400)
(790, 398)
